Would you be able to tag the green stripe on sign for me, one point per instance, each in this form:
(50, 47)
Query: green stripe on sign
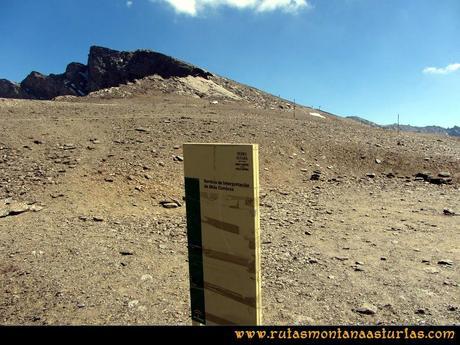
(195, 250)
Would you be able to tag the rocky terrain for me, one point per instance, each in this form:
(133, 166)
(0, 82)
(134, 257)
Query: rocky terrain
(358, 225)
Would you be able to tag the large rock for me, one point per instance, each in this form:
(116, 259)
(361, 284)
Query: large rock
(76, 76)
(72, 82)
(107, 67)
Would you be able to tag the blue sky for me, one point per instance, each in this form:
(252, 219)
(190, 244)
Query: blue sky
(369, 58)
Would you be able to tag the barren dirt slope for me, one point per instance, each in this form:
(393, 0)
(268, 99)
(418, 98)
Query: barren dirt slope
(84, 239)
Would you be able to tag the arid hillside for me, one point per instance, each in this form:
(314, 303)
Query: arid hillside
(359, 225)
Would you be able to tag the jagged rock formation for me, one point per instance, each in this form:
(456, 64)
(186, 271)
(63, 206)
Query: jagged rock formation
(105, 68)
(9, 89)
(72, 82)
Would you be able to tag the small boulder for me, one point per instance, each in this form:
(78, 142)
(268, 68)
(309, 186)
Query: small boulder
(169, 204)
(367, 309)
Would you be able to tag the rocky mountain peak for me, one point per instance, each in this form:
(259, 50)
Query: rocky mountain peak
(105, 68)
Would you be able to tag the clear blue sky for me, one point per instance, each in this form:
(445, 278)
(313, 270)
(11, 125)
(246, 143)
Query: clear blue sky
(369, 58)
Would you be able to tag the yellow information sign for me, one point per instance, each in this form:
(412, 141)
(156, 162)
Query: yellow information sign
(222, 204)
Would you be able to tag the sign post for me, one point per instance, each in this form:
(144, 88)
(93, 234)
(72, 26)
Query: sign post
(222, 205)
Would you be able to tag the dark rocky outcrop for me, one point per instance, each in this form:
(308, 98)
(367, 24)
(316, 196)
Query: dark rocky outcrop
(72, 82)
(105, 68)
(9, 89)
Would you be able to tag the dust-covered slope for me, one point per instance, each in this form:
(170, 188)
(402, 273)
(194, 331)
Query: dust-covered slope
(84, 237)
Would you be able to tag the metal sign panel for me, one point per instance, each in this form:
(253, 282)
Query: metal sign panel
(222, 205)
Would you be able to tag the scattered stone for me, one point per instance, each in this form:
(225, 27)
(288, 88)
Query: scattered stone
(444, 174)
(316, 176)
(13, 208)
(4, 212)
(98, 219)
(126, 252)
(81, 305)
(68, 147)
(358, 266)
(177, 201)
(452, 308)
(424, 175)
(370, 175)
(312, 260)
(449, 212)
(378, 161)
(178, 158)
(431, 270)
(109, 179)
(146, 277)
(133, 303)
(445, 262)
(420, 311)
(169, 204)
(440, 180)
(18, 208)
(449, 282)
(35, 208)
(342, 258)
(57, 195)
(83, 218)
(367, 309)
(142, 129)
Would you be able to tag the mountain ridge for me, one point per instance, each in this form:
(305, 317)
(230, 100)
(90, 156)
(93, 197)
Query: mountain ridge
(105, 68)
(453, 131)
